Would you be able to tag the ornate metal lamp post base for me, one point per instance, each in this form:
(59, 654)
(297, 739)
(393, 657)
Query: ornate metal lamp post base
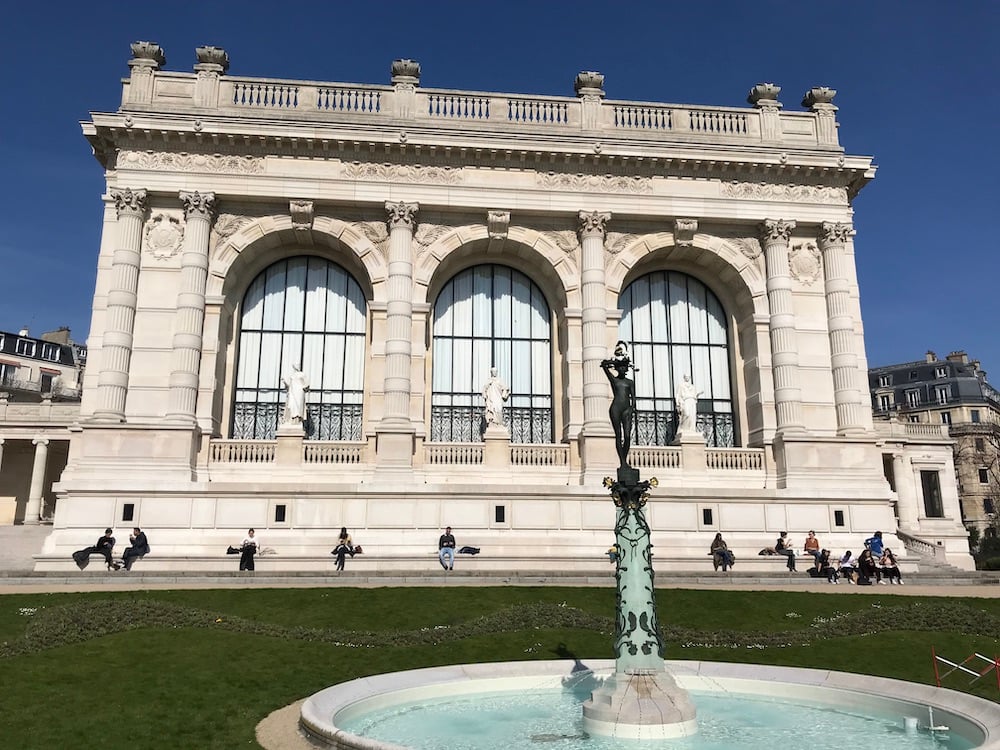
(641, 700)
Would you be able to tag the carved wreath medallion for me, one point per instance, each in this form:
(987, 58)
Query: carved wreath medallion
(804, 263)
(164, 236)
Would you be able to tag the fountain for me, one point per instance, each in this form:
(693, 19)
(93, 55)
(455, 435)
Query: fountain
(522, 704)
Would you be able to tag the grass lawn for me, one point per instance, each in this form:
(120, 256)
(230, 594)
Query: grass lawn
(198, 669)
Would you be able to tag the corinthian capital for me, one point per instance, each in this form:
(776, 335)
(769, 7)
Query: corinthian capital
(835, 233)
(130, 202)
(200, 205)
(401, 214)
(776, 230)
(594, 222)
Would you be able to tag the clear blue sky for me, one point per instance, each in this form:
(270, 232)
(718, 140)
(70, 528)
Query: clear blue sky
(916, 86)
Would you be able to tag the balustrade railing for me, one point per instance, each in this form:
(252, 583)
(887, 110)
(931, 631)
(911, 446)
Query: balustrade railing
(735, 459)
(453, 454)
(323, 452)
(533, 454)
(242, 451)
(265, 97)
(655, 457)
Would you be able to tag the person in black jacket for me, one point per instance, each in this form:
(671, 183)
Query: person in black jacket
(446, 549)
(104, 546)
(140, 547)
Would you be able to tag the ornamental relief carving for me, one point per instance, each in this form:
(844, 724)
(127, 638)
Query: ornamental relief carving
(164, 236)
(565, 240)
(804, 263)
(749, 246)
(171, 162)
(595, 183)
(377, 233)
(770, 191)
(426, 234)
(403, 173)
(226, 225)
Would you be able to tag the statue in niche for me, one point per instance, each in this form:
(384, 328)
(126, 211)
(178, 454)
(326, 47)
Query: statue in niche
(495, 392)
(622, 408)
(687, 405)
(295, 402)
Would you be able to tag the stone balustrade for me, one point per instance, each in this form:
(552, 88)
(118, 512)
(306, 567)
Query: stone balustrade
(323, 452)
(242, 451)
(655, 457)
(894, 429)
(504, 114)
(735, 459)
(539, 455)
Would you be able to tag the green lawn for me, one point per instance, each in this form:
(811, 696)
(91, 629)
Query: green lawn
(199, 669)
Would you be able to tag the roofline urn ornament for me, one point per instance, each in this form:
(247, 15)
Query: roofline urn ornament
(765, 95)
(213, 59)
(147, 55)
(405, 70)
(589, 83)
(819, 97)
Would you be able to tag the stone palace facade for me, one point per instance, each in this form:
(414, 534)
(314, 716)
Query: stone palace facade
(397, 242)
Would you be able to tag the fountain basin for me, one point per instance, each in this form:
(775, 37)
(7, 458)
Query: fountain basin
(910, 707)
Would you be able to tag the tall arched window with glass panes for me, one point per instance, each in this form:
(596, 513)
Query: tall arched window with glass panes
(491, 316)
(676, 326)
(308, 312)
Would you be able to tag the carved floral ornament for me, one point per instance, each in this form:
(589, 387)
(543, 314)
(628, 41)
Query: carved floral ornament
(164, 236)
(229, 224)
(401, 214)
(804, 263)
(594, 222)
(595, 183)
(201, 205)
(403, 173)
(797, 193)
(165, 161)
(835, 233)
(776, 230)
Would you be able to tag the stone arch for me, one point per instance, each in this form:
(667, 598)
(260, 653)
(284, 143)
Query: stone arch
(558, 275)
(231, 268)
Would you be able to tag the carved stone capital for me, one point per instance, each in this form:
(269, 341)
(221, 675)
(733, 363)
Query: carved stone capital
(147, 55)
(776, 230)
(834, 233)
(212, 60)
(498, 224)
(129, 202)
(594, 222)
(684, 230)
(401, 214)
(198, 205)
(302, 214)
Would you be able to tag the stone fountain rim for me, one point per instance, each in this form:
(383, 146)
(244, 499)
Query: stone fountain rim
(318, 711)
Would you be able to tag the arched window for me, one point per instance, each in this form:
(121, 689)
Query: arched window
(491, 316)
(676, 326)
(309, 312)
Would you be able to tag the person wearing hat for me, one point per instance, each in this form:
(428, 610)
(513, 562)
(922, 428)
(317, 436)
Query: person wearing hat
(104, 546)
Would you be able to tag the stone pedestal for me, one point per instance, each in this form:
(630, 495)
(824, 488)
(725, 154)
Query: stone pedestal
(693, 452)
(496, 448)
(640, 704)
(288, 451)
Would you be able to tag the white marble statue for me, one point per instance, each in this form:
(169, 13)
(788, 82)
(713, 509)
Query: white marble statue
(495, 392)
(687, 405)
(295, 402)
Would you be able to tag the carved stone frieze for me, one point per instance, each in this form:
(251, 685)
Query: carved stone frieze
(166, 161)
(226, 225)
(164, 236)
(776, 192)
(804, 263)
(403, 173)
(749, 246)
(595, 183)
(565, 239)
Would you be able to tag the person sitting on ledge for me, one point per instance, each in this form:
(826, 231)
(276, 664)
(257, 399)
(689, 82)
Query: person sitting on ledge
(446, 549)
(721, 554)
(825, 568)
(139, 548)
(783, 547)
(104, 546)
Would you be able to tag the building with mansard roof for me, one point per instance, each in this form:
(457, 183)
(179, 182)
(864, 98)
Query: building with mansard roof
(303, 288)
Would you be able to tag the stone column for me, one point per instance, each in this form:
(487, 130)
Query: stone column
(199, 209)
(395, 430)
(843, 357)
(33, 510)
(593, 228)
(116, 344)
(906, 498)
(784, 352)
(1, 455)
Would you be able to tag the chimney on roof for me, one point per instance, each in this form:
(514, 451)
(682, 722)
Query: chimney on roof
(23, 331)
(931, 356)
(959, 356)
(58, 336)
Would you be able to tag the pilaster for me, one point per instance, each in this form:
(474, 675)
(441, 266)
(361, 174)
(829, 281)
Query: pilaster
(33, 508)
(212, 63)
(147, 58)
(593, 229)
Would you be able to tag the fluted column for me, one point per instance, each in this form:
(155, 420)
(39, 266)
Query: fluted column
(906, 496)
(199, 210)
(33, 509)
(399, 314)
(116, 345)
(784, 353)
(593, 228)
(843, 355)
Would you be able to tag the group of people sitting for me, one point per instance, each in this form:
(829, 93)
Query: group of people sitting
(876, 564)
(138, 547)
